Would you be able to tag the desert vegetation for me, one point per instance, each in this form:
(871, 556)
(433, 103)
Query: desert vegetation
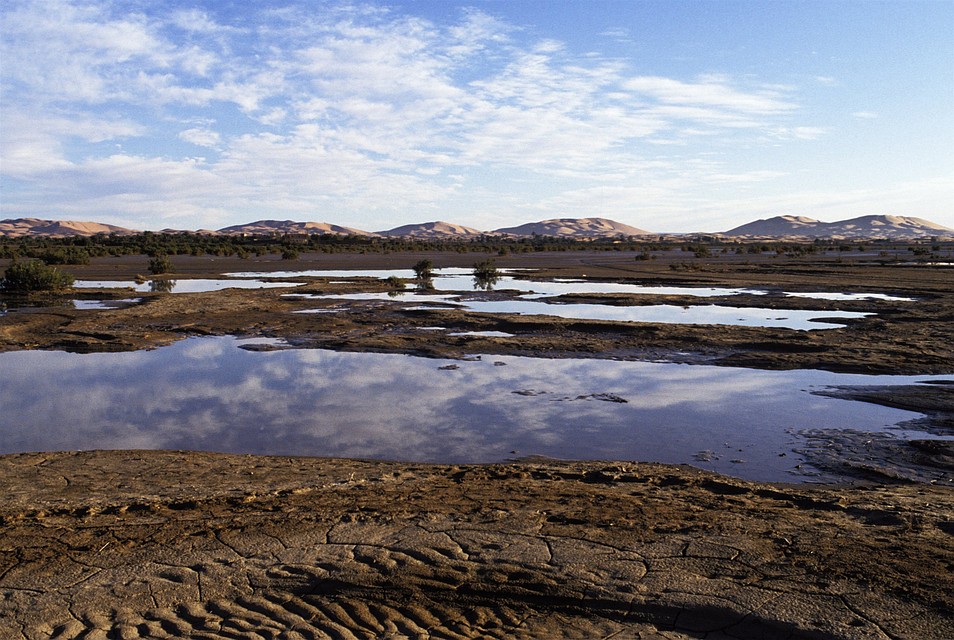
(485, 275)
(160, 264)
(32, 276)
(78, 250)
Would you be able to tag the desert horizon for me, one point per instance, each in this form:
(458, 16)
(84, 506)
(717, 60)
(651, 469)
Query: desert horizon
(783, 226)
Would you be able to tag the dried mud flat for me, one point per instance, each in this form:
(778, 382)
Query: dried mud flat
(172, 544)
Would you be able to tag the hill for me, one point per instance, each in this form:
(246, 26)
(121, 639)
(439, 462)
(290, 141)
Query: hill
(432, 230)
(574, 228)
(864, 227)
(787, 226)
(20, 227)
(290, 226)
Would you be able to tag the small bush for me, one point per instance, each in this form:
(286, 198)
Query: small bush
(35, 275)
(424, 270)
(424, 274)
(160, 264)
(485, 275)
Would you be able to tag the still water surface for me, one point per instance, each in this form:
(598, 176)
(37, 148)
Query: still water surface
(194, 285)
(209, 394)
(798, 319)
(460, 279)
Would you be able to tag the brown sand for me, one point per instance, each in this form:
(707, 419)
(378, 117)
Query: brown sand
(171, 544)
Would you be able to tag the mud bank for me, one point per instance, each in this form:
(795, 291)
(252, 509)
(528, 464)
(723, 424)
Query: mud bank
(907, 337)
(174, 544)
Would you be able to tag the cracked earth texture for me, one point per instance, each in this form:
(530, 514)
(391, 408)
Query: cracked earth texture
(129, 544)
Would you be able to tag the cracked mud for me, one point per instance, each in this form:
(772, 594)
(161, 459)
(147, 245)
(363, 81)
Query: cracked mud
(172, 544)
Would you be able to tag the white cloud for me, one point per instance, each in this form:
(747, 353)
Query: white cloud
(865, 115)
(351, 109)
(34, 143)
(201, 137)
(711, 92)
(197, 21)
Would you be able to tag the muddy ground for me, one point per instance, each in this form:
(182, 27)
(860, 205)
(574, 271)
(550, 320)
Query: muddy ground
(179, 544)
(172, 544)
(914, 337)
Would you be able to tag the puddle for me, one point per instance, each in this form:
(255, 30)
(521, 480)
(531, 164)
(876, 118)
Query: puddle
(461, 279)
(798, 319)
(215, 394)
(850, 296)
(105, 304)
(199, 285)
(482, 334)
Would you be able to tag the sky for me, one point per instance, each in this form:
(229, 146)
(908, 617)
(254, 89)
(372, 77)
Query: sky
(670, 116)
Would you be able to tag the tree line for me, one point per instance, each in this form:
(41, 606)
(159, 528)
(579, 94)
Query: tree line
(79, 249)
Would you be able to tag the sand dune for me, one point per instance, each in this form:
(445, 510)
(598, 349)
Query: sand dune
(574, 228)
(792, 227)
(56, 228)
(882, 226)
(433, 230)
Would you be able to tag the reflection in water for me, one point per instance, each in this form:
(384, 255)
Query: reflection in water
(485, 282)
(105, 304)
(850, 296)
(162, 285)
(197, 285)
(424, 275)
(485, 275)
(207, 394)
(423, 283)
(455, 279)
(797, 319)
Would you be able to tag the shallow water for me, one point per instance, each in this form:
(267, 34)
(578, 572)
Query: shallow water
(105, 304)
(850, 296)
(198, 285)
(209, 394)
(797, 319)
(461, 279)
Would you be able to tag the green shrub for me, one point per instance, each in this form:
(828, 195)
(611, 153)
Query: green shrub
(424, 269)
(424, 275)
(485, 275)
(160, 264)
(35, 275)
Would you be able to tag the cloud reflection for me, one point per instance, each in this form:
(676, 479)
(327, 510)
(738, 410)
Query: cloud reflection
(207, 394)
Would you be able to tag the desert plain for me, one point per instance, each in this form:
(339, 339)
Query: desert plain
(99, 544)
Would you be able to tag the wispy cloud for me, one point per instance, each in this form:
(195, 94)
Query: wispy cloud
(349, 111)
(201, 137)
(713, 92)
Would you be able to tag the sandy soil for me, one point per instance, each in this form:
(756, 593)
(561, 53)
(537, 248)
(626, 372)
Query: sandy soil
(171, 544)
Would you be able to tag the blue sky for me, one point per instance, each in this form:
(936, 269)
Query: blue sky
(669, 116)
